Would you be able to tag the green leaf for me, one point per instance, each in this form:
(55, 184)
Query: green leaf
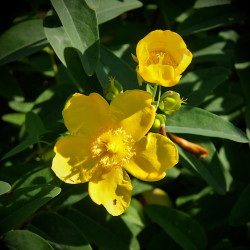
(140, 186)
(209, 3)
(109, 9)
(35, 128)
(22, 40)
(240, 213)
(36, 176)
(60, 231)
(242, 65)
(69, 196)
(34, 125)
(80, 23)
(25, 240)
(186, 231)
(181, 200)
(196, 85)
(21, 106)
(50, 103)
(210, 18)
(4, 187)
(209, 168)
(28, 141)
(190, 120)
(218, 50)
(23, 203)
(68, 55)
(223, 104)
(150, 89)
(113, 224)
(171, 10)
(133, 217)
(57, 37)
(95, 232)
(111, 65)
(9, 86)
(14, 118)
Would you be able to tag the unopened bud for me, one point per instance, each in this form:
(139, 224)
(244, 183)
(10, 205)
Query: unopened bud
(112, 89)
(159, 120)
(170, 102)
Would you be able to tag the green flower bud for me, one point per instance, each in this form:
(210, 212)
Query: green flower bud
(170, 102)
(159, 120)
(112, 89)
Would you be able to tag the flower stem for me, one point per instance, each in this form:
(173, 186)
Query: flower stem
(154, 92)
(53, 62)
(159, 97)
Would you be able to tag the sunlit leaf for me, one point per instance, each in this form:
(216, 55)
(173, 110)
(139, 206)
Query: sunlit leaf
(68, 55)
(190, 120)
(82, 32)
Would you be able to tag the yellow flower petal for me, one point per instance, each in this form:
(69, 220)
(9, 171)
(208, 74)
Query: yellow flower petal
(73, 162)
(161, 74)
(162, 56)
(111, 188)
(132, 110)
(85, 115)
(186, 60)
(154, 154)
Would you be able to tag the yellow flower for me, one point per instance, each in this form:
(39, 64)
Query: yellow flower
(107, 139)
(162, 56)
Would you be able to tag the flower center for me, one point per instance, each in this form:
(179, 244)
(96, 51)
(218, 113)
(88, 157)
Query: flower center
(161, 57)
(113, 147)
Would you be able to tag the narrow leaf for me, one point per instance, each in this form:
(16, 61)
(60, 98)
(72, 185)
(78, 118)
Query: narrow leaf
(60, 232)
(25, 240)
(22, 40)
(210, 168)
(109, 9)
(69, 196)
(190, 120)
(240, 213)
(95, 232)
(24, 202)
(210, 18)
(186, 231)
(209, 3)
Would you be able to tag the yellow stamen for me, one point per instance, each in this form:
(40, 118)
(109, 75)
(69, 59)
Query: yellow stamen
(113, 147)
(162, 58)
